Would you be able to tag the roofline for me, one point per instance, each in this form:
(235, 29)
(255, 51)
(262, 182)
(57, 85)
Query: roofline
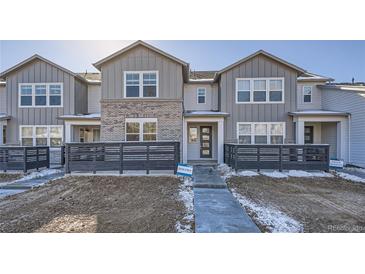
(319, 114)
(79, 118)
(34, 57)
(298, 69)
(98, 64)
(344, 87)
(319, 79)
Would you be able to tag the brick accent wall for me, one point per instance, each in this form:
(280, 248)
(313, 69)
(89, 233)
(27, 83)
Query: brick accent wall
(168, 114)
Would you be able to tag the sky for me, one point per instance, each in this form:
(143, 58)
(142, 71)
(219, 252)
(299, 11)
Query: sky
(341, 60)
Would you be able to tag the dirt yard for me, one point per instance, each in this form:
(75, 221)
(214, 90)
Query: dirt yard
(7, 177)
(96, 204)
(318, 204)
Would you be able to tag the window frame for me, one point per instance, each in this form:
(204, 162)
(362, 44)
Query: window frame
(33, 95)
(268, 131)
(205, 95)
(141, 85)
(311, 94)
(267, 79)
(141, 121)
(34, 135)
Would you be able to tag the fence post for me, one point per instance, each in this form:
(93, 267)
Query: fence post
(37, 157)
(258, 159)
(148, 159)
(5, 158)
(327, 158)
(121, 158)
(67, 159)
(177, 155)
(48, 156)
(235, 158)
(281, 158)
(25, 160)
(94, 161)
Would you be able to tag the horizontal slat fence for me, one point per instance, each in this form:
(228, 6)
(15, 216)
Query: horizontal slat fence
(93, 157)
(23, 158)
(281, 157)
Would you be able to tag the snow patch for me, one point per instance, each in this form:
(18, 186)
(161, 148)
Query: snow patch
(275, 174)
(275, 220)
(226, 172)
(38, 174)
(186, 195)
(350, 177)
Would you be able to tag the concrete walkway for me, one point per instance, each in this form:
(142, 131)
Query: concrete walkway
(22, 185)
(215, 208)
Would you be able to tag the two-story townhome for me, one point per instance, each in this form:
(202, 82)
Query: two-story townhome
(145, 94)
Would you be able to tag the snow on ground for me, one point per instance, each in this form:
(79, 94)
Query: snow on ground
(38, 174)
(275, 220)
(227, 172)
(350, 177)
(274, 174)
(186, 195)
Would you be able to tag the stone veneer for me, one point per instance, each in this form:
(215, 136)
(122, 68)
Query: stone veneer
(168, 113)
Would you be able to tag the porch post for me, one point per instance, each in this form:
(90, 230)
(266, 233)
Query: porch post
(220, 141)
(1, 133)
(185, 142)
(300, 132)
(67, 132)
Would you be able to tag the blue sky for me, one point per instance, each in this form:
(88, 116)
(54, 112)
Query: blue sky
(341, 60)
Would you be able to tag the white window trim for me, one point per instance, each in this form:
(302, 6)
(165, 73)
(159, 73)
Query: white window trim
(33, 95)
(311, 87)
(93, 130)
(140, 84)
(205, 95)
(268, 134)
(141, 121)
(34, 133)
(267, 90)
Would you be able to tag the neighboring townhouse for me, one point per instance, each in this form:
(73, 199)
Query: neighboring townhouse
(145, 94)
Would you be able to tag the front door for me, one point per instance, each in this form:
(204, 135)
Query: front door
(205, 142)
(308, 135)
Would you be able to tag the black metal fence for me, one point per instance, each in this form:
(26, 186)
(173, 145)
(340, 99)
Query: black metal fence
(281, 157)
(23, 158)
(87, 157)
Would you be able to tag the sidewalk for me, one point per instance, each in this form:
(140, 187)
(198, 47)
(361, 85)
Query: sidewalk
(215, 208)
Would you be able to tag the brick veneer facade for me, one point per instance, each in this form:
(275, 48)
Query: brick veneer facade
(168, 114)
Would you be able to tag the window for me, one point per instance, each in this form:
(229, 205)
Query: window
(4, 134)
(40, 95)
(41, 135)
(141, 129)
(259, 90)
(243, 91)
(307, 94)
(200, 94)
(96, 135)
(193, 134)
(261, 133)
(82, 135)
(142, 84)
(26, 95)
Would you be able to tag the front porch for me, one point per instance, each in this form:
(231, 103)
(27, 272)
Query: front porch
(324, 127)
(82, 128)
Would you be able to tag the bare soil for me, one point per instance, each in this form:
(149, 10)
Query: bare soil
(7, 177)
(96, 204)
(319, 204)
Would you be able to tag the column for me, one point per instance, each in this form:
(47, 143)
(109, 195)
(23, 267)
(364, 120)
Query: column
(299, 132)
(220, 141)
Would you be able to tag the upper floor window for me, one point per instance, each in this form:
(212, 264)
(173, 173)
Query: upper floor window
(261, 133)
(259, 90)
(141, 129)
(307, 94)
(140, 84)
(201, 94)
(40, 95)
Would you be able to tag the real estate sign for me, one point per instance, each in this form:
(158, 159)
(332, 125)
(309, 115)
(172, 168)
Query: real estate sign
(184, 170)
(336, 163)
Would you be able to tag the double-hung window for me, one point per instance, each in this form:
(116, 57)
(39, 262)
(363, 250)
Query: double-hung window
(41, 135)
(140, 84)
(200, 95)
(259, 90)
(141, 129)
(40, 95)
(261, 133)
(307, 94)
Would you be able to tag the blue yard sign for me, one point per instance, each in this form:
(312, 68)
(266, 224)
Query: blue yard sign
(184, 170)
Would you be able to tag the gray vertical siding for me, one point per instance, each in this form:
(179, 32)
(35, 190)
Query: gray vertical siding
(329, 136)
(190, 97)
(354, 103)
(3, 107)
(316, 96)
(37, 72)
(260, 66)
(140, 59)
(93, 98)
(80, 97)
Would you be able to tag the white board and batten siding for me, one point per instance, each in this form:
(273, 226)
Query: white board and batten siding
(354, 103)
